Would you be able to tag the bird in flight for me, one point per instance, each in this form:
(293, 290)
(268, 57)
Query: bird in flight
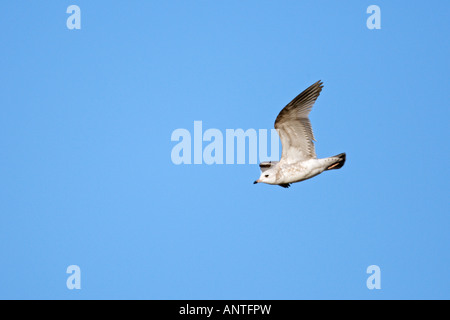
(298, 158)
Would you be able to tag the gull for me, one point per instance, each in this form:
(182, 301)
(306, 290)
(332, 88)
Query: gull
(298, 158)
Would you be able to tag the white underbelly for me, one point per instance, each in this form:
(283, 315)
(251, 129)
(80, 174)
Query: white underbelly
(303, 170)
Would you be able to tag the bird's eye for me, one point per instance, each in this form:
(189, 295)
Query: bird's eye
(266, 175)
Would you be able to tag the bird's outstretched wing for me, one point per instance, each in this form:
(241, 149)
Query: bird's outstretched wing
(267, 165)
(294, 127)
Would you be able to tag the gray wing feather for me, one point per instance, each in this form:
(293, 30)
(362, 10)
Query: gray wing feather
(294, 127)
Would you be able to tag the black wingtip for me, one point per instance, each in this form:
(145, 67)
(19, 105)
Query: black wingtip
(338, 164)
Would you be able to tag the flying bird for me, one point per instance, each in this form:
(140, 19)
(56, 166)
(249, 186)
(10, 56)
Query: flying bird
(298, 158)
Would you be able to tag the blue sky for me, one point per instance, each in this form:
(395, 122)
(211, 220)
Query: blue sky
(86, 176)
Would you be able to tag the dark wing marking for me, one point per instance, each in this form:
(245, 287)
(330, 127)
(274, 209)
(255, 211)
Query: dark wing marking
(267, 165)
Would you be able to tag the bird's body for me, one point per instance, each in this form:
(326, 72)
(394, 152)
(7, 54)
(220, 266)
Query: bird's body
(298, 160)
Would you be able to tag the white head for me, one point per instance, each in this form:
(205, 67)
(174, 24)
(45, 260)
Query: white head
(269, 176)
